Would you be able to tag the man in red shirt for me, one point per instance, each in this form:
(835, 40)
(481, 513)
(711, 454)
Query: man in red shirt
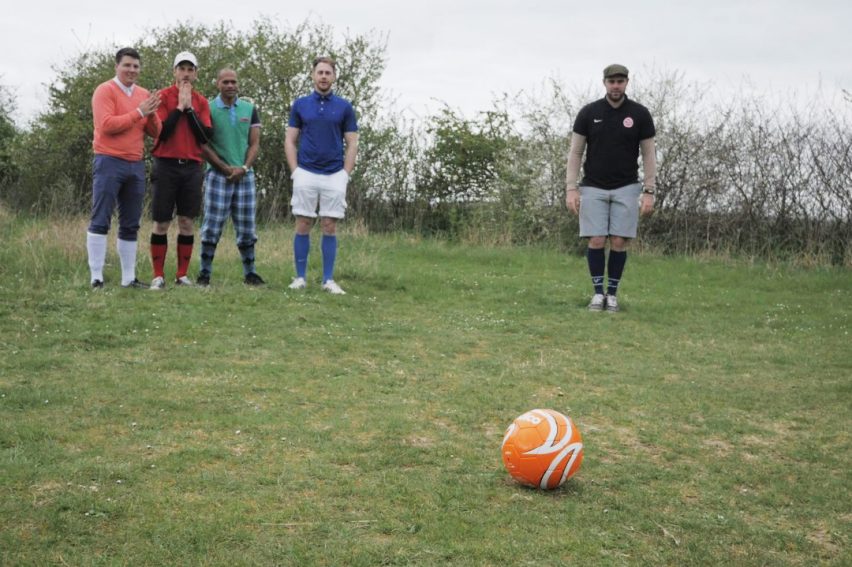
(178, 175)
(123, 114)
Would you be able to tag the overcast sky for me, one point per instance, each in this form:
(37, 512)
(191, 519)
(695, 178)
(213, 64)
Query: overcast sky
(467, 52)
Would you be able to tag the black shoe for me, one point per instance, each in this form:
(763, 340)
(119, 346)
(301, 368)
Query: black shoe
(135, 284)
(253, 279)
(97, 284)
(203, 279)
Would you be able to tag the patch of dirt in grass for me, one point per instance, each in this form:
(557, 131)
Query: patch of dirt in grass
(750, 457)
(445, 425)
(756, 441)
(490, 430)
(419, 441)
(722, 448)
(618, 443)
(825, 540)
(348, 467)
(690, 494)
(43, 493)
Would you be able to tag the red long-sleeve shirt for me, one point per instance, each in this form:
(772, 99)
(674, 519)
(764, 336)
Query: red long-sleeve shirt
(181, 144)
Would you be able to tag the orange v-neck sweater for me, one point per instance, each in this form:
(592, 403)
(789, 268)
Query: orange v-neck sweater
(119, 128)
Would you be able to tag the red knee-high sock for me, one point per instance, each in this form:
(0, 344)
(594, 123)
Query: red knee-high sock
(159, 247)
(185, 242)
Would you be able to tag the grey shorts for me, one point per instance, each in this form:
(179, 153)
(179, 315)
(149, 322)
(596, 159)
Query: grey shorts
(610, 212)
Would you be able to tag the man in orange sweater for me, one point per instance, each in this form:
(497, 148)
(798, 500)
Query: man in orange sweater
(123, 113)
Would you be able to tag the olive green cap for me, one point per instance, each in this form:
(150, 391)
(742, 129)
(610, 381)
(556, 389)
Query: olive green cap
(614, 70)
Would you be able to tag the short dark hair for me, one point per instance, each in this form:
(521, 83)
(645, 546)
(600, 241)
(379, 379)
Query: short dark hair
(329, 60)
(126, 52)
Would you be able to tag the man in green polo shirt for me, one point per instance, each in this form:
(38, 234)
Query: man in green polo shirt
(229, 182)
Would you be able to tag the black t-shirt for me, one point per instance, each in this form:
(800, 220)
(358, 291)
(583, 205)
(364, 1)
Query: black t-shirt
(612, 141)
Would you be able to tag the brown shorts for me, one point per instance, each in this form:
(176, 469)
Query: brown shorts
(176, 186)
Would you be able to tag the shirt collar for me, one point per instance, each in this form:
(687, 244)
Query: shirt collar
(623, 105)
(125, 89)
(323, 97)
(221, 103)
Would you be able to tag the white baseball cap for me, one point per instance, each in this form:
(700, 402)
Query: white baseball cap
(185, 56)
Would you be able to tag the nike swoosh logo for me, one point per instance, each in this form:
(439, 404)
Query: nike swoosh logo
(596, 120)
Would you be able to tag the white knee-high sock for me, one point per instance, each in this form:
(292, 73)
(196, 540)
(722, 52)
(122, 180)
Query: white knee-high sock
(96, 244)
(127, 256)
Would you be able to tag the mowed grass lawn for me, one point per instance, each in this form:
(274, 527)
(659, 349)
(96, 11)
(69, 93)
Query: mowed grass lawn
(240, 426)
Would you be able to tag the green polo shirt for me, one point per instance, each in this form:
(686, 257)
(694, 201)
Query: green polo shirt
(231, 127)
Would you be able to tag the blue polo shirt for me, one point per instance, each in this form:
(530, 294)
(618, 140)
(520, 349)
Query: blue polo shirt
(322, 120)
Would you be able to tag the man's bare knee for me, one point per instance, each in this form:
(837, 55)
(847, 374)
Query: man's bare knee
(329, 226)
(186, 225)
(597, 241)
(303, 225)
(618, 243)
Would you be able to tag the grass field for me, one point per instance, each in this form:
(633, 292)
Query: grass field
(267, 427)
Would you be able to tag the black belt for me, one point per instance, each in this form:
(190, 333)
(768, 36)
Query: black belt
(179, 161)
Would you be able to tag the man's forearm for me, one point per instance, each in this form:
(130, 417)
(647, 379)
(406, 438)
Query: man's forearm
(213, 159)
(251, 155)
(649, 163)
(351, 151)
(575, 156)
(169, 124)
(202, 133)
(349, 158)
(291, 153)
(572, 171)
(253, 148)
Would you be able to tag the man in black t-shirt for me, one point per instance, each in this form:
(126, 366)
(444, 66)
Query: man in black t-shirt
(611, 131)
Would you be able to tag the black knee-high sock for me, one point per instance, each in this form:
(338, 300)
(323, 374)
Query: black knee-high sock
(614, 269)
(597, 264)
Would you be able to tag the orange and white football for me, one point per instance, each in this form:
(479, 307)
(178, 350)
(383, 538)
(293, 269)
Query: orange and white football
(542, 448)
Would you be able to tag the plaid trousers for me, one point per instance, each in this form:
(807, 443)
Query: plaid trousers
(223, 199)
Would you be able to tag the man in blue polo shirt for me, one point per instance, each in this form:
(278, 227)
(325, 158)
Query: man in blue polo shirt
(615, 129)
(321, 145)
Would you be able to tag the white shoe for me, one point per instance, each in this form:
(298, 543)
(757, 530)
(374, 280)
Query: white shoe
(331, 287)
(185, 281)
(611, 304)
(158, 284)
(597, 302)
(298, 283)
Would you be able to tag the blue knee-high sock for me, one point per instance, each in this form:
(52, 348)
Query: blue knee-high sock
(614, 269)
(597, 264)
(329, 254)
(301, 247)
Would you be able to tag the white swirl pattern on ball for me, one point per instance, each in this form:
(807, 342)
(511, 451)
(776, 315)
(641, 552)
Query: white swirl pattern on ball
(548, 447)
(511, 429)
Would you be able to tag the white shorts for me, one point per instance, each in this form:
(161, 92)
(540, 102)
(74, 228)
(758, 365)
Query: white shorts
(312, 189)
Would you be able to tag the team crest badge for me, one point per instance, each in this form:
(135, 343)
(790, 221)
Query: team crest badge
(628, 122)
